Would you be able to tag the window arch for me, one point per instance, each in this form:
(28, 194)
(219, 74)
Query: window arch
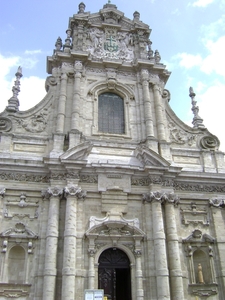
(111, 113)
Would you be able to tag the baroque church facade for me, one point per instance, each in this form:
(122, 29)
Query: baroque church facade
(102, 186)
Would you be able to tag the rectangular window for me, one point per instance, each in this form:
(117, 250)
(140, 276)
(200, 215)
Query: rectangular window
(111, 114)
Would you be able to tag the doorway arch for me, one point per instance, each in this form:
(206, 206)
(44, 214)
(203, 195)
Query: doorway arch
(114, 275)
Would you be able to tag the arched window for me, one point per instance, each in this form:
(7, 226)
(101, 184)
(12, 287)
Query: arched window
(111, 113)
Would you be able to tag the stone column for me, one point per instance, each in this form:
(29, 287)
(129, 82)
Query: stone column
(162, 273)
(217, 207)
(5, 241)
(62, 104)
(50, 269)
(91, 271)
(175, 269)
(159, 113)
(139, 275)
(76, 96)
(3, 261)
(69, 254)
(150, 259)
(75, 134)
(147, 104)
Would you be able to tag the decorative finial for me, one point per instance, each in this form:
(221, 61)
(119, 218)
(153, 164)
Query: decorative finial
(109, 1)
(157, 56)
(67, 45)
(197, 120)
(150, 51)
(81, 8)
(136, 15)
(13, 101)
(58, 44)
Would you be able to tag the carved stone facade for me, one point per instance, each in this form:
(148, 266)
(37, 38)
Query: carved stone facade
(111, 192)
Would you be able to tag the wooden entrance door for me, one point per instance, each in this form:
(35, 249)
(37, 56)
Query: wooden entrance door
(114, 274)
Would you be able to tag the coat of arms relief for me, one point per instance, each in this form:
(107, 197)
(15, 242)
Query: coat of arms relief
(110, 44)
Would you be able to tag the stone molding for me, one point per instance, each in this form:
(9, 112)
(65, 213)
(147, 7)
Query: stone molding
(25, 177)
(194, 215)
(10, 290)
(20, 230)
(202, 290)
(94, 221)
(198, 237)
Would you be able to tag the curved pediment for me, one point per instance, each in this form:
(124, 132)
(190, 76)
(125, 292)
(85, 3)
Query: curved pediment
(19, 231)
(149, 157)
(140, 157)
(79, 152)
(185, 136)
(115, 228)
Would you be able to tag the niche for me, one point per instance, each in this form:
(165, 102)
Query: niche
(199, 249)
(16, 265)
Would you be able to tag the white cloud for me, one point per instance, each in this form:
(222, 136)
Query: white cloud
(213, 61)
(188, 60)
(202, 3)
(208, 64)
(32, 92)
(213, 30)
(31, 52)
(211, 109)
(176, 12)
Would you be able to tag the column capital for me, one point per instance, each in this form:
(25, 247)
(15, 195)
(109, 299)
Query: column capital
(52, 192)
(137, 252)
(217, 202)
(73, 190)
(2, 192)
(161, 197)
(78, 66)
(64, 75)
(91, 252)
(144, 75)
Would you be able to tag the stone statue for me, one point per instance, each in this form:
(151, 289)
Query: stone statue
(200, 274)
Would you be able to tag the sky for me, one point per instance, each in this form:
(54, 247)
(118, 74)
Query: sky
(189, 35)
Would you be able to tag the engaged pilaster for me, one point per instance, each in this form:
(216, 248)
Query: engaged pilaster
(171, 201)
(139, 275)
(75, 118)
(159, 113)
(50, 270)
(72, 193)
(217, 206)
(148, 108)
(162, 273)
(62, 104)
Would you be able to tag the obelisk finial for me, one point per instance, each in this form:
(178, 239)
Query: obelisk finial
(197, 120)
(14, 101)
